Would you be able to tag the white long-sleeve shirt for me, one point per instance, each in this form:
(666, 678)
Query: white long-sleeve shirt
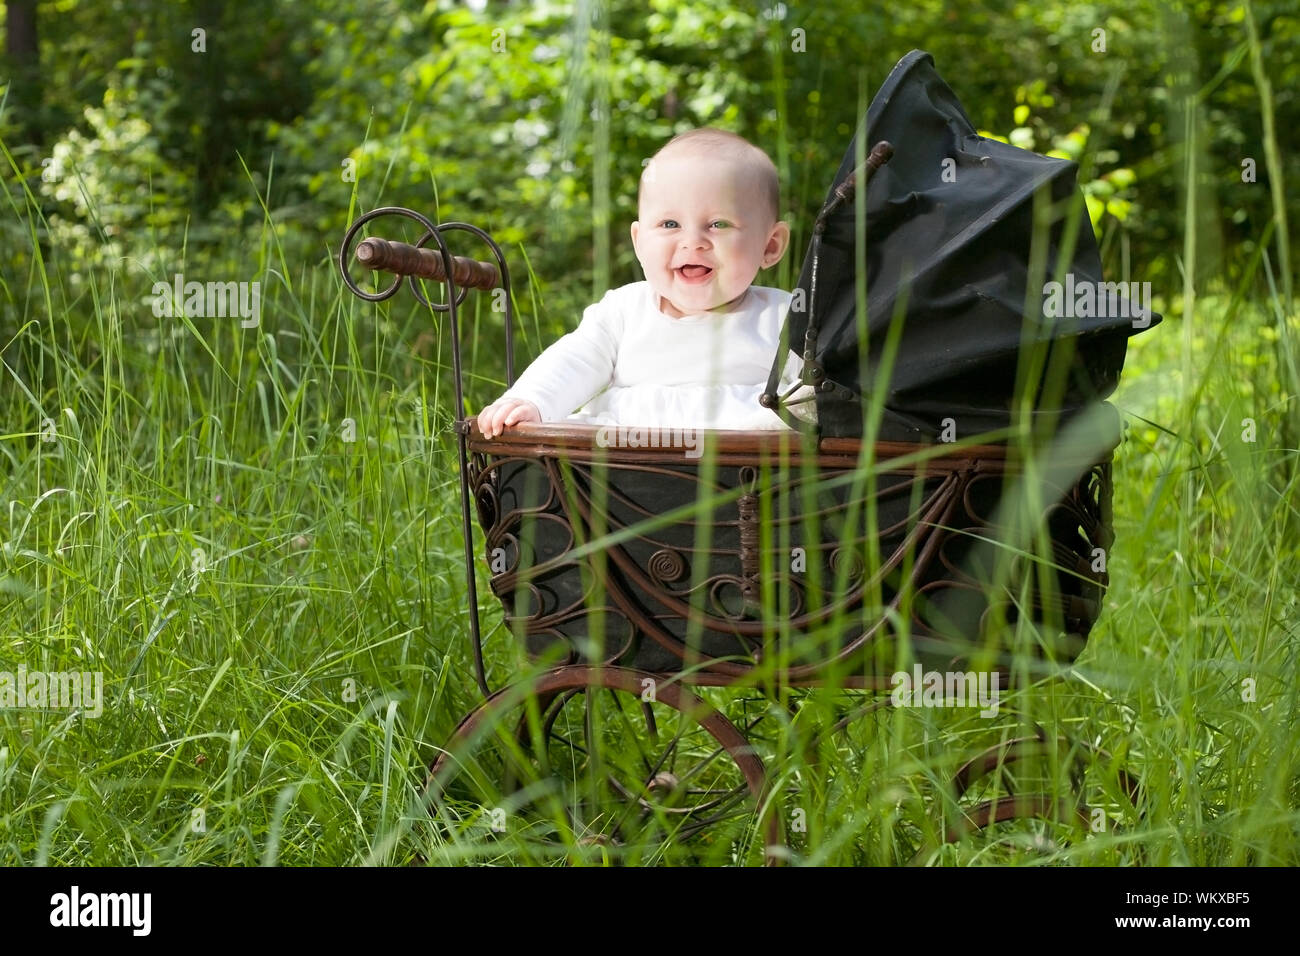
(628, 363)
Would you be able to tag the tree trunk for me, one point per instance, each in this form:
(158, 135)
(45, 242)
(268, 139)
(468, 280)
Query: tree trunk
(23, 50)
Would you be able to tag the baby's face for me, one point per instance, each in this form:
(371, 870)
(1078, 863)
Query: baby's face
(704, 232)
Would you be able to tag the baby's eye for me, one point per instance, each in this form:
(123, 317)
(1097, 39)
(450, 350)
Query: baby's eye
(720, 223)
(669, 224)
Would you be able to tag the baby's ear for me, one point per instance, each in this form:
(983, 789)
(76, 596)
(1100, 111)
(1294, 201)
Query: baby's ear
(777, 242)
(636, 225)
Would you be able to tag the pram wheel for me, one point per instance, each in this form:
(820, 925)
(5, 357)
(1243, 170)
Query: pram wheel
(605, 764)
(1005, 801)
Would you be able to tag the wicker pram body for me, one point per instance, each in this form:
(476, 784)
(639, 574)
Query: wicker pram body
(784, 543)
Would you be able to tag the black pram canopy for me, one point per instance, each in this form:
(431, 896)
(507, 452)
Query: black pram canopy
(953, 239)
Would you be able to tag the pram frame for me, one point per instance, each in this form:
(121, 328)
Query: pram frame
(540, 442)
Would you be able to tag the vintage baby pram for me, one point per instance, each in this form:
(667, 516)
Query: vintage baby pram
(641, 573)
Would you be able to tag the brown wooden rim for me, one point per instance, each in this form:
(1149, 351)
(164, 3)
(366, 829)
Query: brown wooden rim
(578, 443)
(540, 438)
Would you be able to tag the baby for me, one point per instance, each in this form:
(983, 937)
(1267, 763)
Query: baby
(692, 345)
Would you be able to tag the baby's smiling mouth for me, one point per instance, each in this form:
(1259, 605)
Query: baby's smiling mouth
(693, 271)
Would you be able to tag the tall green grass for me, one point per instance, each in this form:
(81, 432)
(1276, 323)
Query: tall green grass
(281, 617)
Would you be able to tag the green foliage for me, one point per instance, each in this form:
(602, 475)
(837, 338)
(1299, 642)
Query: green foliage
(533, 120)
(112, 195)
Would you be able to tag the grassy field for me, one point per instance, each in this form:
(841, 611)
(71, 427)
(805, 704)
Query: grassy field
(281, 621)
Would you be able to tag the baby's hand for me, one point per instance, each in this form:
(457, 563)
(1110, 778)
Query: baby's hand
(501, 414)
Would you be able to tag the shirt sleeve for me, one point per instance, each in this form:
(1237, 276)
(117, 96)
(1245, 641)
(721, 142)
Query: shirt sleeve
(576, 367)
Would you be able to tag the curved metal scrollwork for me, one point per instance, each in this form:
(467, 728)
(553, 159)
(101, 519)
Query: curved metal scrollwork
(660, 586)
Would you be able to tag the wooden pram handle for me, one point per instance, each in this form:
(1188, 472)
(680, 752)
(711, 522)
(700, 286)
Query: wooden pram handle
(403, 259)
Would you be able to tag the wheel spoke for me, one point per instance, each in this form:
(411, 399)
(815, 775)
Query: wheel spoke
(632, 730)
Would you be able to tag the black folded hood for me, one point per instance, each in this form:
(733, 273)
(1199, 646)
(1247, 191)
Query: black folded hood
(952, 240)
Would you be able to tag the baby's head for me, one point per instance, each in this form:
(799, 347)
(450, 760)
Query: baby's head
(708, 220)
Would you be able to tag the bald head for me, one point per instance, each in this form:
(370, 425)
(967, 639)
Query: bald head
(751, 163)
